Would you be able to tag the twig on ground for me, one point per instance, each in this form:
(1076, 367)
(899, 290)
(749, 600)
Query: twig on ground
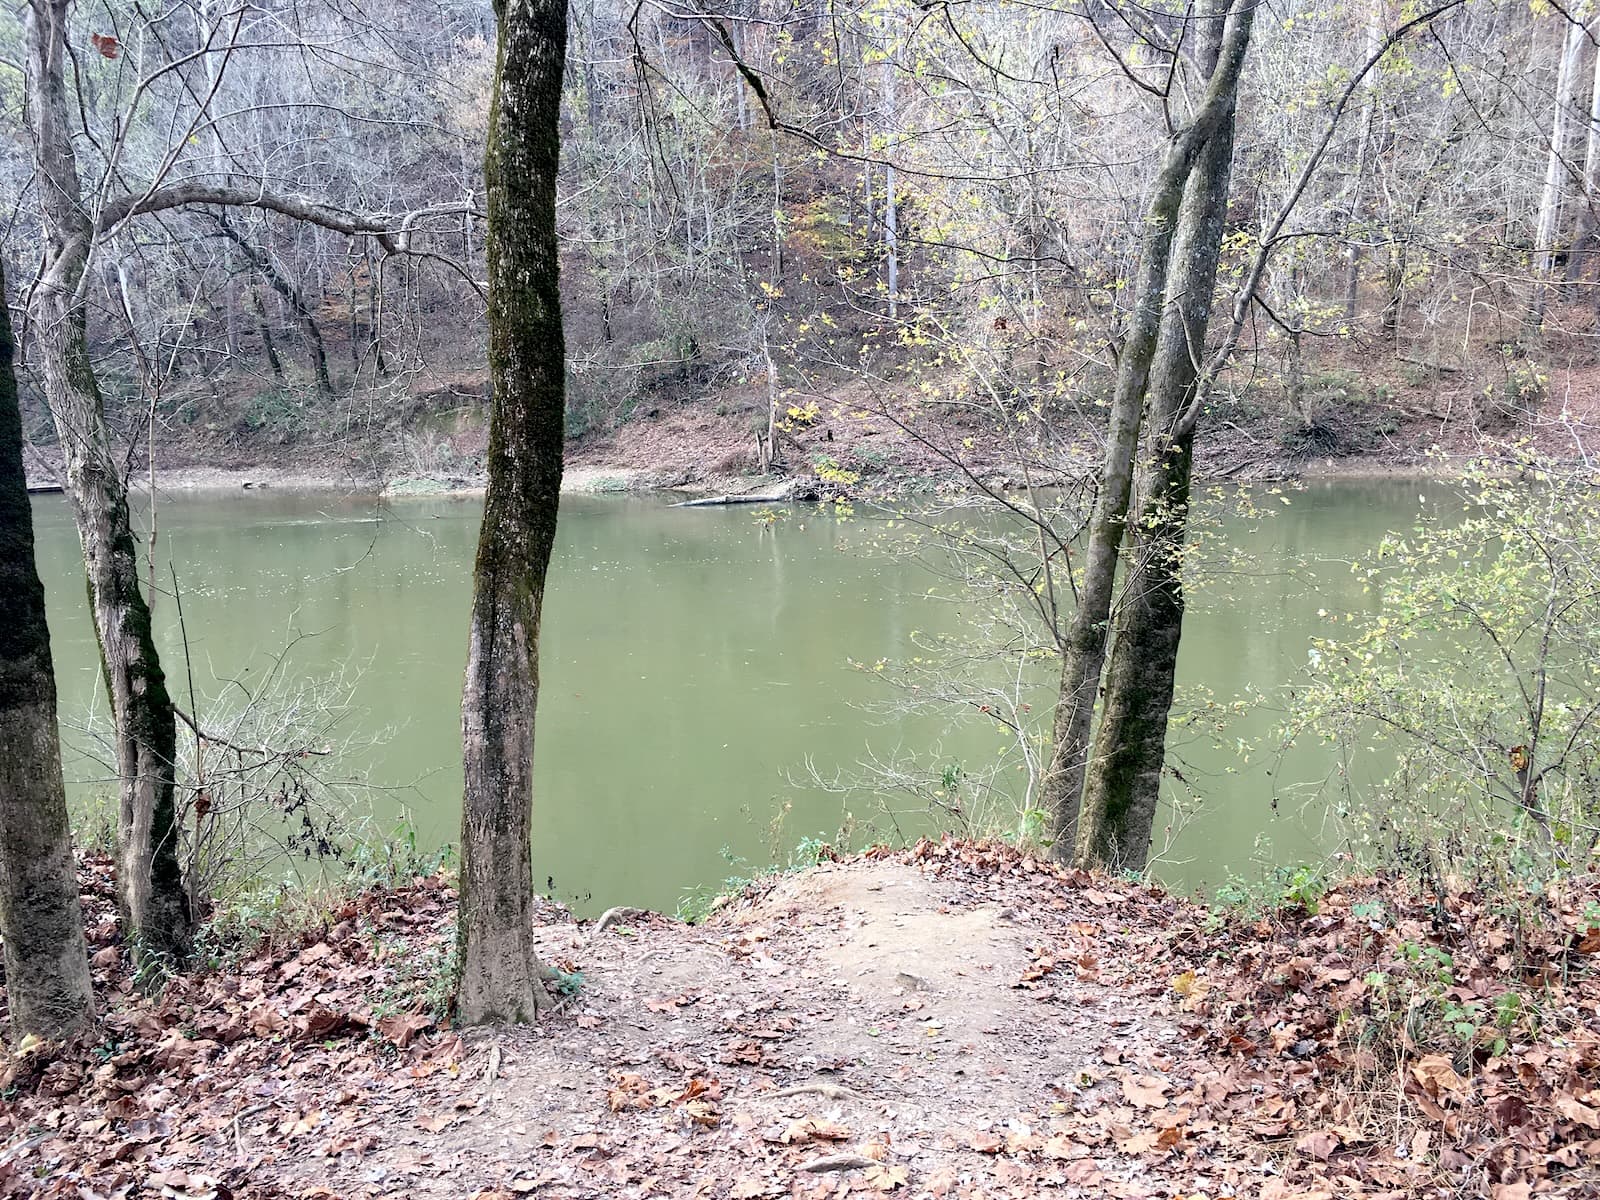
(838, 1162)
(828, 1091)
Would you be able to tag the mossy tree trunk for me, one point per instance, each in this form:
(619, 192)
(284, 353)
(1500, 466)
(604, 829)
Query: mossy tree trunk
(1123, 786)
(498, 971)
(1083, 658)
(47, 965)
(154, 903)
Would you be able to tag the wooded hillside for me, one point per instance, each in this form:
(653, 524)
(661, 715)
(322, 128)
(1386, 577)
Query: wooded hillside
(769, 206)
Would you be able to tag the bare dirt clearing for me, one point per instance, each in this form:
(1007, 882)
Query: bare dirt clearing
(872, 1021)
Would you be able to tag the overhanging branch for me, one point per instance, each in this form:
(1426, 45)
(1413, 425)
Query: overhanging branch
(392, 231)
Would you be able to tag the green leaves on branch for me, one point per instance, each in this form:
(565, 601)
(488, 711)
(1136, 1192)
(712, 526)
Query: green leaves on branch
(1467, 700)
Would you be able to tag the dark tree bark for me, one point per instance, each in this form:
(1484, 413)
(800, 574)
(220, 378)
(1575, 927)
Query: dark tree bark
(1123, 788)
(264, 324)
(1394, 286)
(47, 966)
(261, 262)
(154, 903)
(1083, 658)
(499, 974)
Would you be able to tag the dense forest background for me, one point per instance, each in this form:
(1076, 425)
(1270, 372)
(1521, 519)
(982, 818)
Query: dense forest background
(923, 208)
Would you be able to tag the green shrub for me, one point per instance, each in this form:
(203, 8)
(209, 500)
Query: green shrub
(1476, 674)
(1513, 398)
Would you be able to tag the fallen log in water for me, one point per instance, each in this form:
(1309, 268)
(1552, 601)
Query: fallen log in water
(742, 498)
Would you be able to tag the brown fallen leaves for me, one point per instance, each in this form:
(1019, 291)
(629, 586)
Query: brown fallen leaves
(185, 1092)
(694, 1101)
(1388, 1044)
(1448, 1020)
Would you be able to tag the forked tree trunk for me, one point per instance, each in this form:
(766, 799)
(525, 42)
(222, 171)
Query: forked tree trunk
(1083, 656)
(154, 903)
(47, 966)
(499, 974)
(1123, 789)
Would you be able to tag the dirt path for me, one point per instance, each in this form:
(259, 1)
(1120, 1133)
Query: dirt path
(919, 1027)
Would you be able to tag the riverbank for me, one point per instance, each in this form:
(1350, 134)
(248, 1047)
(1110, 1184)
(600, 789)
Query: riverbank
(951, 1020)
(608, 470)
(1357, 417)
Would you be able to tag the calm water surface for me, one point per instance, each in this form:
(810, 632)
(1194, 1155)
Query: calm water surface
(694, 662)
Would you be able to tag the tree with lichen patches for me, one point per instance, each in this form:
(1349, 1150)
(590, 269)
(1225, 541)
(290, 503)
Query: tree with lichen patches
(41, 921)
(1122, 790)
(150, 888)
(1084, 653)
(499, 977)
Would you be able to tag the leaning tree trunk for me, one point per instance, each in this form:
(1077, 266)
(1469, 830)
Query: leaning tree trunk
(1083, 656)
(154, 903)
(47, 967)
(499, 974)
(261, 262)
(1123, 788)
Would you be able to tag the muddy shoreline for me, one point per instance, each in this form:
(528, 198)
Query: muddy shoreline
(622, 478)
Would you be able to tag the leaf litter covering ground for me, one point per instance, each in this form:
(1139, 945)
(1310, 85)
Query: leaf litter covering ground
(949, 1021)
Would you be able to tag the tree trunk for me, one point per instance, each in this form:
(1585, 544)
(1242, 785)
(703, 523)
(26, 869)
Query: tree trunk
(499, 975)
(1359, 213)
(1550, 201)
(47, 966)
(1083, 654)
(1587, 215)
(891, 207)
(1394, 286)
(154, 903)
(264, 324)
(380, 368)
(1123, 788)
(261, 262)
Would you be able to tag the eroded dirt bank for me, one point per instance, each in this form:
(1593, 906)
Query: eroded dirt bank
(952, 1020)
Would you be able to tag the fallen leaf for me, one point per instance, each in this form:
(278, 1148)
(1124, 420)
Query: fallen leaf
(1574, 1109)
(1319, 1145)
(1061, 1146)
(886, 1178)
(1435, 1073)
(403, 1027)
(1147, 1091)
(815, 1129)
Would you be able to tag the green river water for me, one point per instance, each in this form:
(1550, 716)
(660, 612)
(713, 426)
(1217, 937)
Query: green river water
(694, 662)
